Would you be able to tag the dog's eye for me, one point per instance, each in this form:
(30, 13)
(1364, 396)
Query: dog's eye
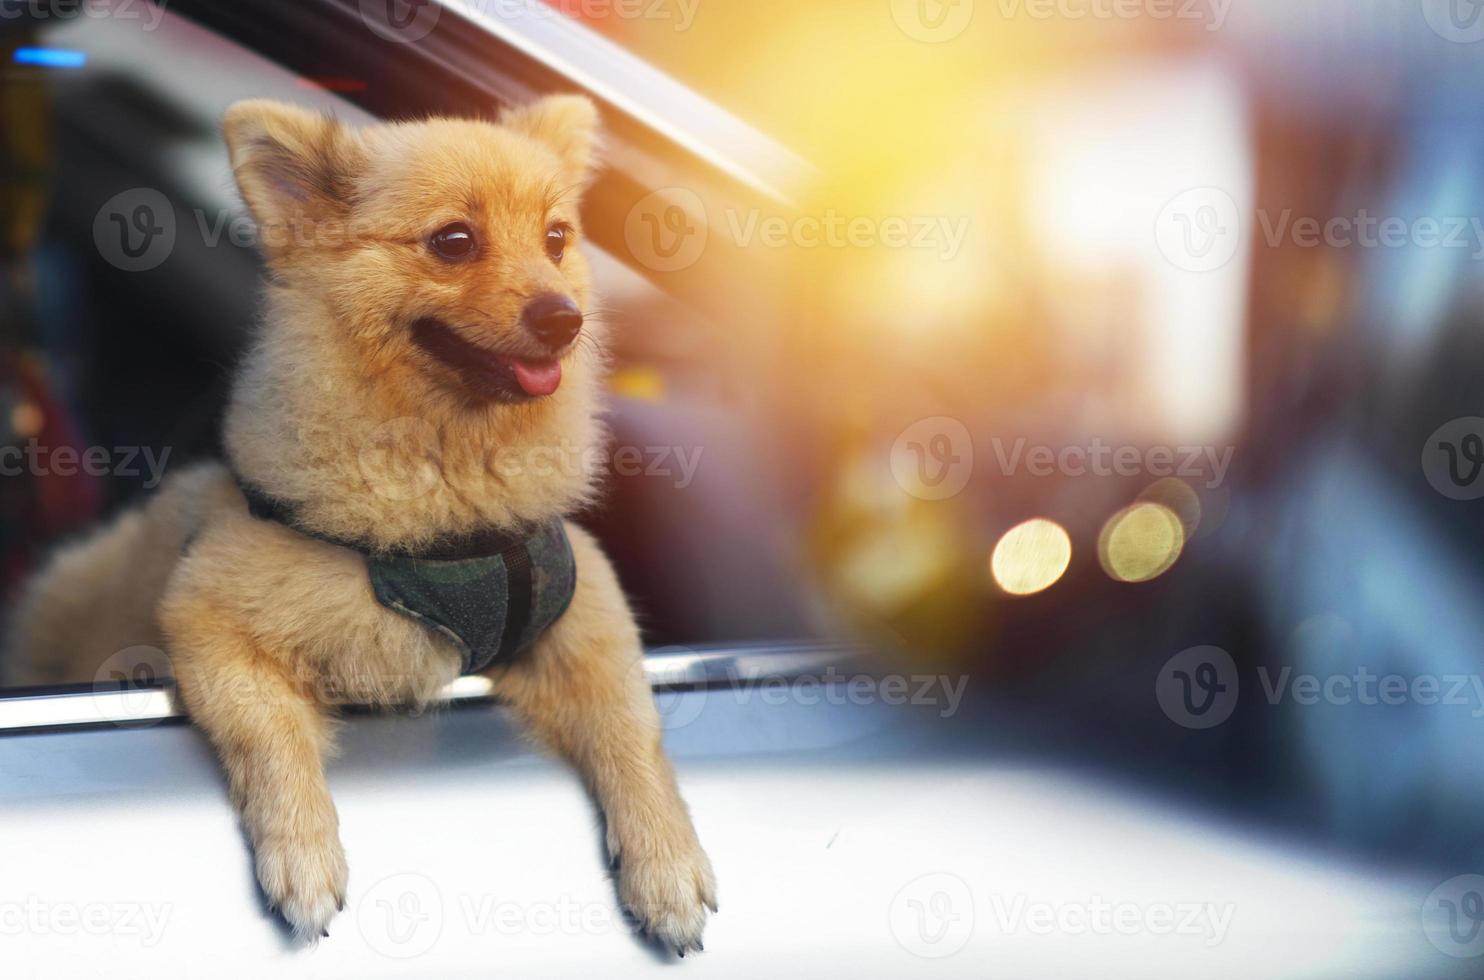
(454, 243)
(556, 241)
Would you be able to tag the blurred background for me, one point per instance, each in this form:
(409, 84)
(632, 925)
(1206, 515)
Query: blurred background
(1125, 358)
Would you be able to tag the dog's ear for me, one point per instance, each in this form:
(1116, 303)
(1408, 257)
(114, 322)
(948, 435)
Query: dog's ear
(567, 124)
(293, 166)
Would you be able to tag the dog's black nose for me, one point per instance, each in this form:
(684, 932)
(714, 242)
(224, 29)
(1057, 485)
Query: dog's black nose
(554, 320)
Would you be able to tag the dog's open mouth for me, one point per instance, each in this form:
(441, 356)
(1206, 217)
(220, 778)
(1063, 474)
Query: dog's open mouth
(487, 372)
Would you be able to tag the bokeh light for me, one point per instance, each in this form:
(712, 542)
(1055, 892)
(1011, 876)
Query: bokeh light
(1178, 496)
(27, 420)
(1031, 557)
(1141, 542)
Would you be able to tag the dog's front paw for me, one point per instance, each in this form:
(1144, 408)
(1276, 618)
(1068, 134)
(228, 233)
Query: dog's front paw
(304, 878)
(669, 893)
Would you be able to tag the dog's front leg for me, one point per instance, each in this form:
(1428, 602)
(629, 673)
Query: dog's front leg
(583, 692)
(272, 738)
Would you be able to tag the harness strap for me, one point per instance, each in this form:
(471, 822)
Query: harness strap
(491, 592)
(520, 600)
(484, 543)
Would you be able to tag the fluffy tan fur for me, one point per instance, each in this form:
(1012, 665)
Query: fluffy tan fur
(336, 410)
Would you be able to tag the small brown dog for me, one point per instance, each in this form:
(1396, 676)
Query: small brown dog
(422, 369)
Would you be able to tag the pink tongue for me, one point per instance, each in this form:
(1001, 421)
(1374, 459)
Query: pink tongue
(537, 378)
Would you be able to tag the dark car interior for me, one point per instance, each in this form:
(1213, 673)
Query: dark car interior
(142, 358)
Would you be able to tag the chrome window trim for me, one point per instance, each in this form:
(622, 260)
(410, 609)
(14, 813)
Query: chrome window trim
(671, 668)
(611, 74)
